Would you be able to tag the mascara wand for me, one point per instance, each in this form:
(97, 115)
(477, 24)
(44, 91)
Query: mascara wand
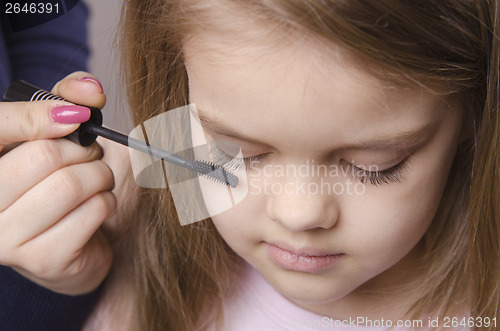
(88, 131)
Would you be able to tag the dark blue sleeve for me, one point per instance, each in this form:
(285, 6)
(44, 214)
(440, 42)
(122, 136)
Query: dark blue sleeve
(25, 306)
(45, 54)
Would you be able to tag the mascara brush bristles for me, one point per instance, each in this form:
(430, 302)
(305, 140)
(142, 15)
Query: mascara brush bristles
(214, 172)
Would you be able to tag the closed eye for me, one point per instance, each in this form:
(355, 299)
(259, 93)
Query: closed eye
(376, 178)
(220, 157)
(387, 176)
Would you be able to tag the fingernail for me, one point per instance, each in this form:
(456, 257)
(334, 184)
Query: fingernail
(72, 114)
(93, 81)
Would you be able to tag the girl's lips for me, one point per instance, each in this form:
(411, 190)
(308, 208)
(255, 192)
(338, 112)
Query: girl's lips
(306, 260)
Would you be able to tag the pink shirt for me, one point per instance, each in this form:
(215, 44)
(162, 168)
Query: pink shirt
(258, 306)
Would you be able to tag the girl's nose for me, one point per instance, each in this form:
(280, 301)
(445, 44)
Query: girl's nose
(301, 204)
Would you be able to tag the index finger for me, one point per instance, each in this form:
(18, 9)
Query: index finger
(23, 121)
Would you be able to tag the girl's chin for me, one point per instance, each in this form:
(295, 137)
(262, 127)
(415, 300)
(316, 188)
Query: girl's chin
(305, 289)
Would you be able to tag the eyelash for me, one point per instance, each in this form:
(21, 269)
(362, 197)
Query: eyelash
(232, 163)
(375, 178)
(387, 176)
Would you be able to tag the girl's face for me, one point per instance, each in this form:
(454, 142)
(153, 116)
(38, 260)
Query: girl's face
(322, 231)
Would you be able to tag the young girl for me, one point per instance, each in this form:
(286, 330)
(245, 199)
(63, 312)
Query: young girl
(393, 110)
(409, 88)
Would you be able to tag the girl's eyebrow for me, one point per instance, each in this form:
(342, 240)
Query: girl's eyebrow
(396, 140)
(399, 140)
(221, 129)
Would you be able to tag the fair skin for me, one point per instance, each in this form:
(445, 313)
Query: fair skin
(294, 109)
(319, 104)
(54, 192)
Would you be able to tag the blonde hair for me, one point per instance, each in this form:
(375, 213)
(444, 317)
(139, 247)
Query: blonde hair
(447, 46)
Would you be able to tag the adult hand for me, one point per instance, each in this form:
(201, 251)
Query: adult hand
(54, 194)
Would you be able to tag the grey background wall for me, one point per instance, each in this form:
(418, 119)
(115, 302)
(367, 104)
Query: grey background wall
(104, 61)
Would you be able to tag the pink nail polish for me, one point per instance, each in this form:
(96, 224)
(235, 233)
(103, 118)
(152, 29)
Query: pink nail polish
(70, 114)
(94, 81)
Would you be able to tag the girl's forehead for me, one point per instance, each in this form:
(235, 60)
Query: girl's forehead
(274, 49)
(294, 67)
(298, 87)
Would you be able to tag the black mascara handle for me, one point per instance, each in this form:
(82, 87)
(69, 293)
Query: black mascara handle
(23, 91)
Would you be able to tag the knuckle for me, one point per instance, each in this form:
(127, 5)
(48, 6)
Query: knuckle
(76, 268)
(71, 268)
(41, 269)
(103, 174)
(31, 121)
(94, 152)
(106, 175)
(96, 255)
(47, 152)
(104, 203)
(67, 184)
